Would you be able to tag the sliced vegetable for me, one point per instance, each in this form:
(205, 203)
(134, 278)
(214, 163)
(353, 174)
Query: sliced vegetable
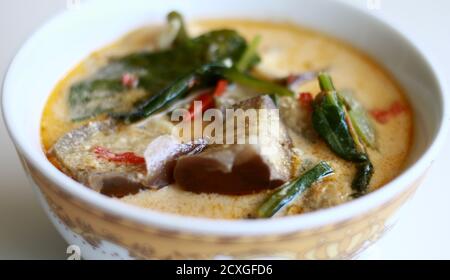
(105, 91)
(238, 169)
(207, 102)
(205, 75)
(175, 32)
(176, 23)
(221, 87)
(291, 190)
(329, 120)
(244, 79)
(125, 158)
(306, 100)
(364, 172)
(383, 116)
(333, 122)
(360, 119)
(137, 85)
(207, 99)
(202, 77)
(250, 56)
(358, 143)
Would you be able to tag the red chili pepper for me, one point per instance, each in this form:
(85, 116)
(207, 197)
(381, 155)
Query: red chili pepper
(220, 87)
(207, 98)
(380, 116)
(306, 99)
(207, 102)
(397, 108)
(129, 80)
(383, 116)
(125, 158)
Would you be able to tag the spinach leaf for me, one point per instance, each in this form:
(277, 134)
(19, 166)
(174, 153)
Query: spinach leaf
(329, 120)
(333, 122)
(205, 75)
(154, 72)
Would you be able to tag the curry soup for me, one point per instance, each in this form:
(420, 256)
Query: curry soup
(285, 50)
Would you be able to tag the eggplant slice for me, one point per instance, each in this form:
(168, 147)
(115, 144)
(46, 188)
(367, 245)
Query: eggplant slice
(75, 156)
(239, 168)
(195, 166)
(74, 153)
(161, 155)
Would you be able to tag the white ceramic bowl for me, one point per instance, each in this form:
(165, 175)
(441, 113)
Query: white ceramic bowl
(106, 228)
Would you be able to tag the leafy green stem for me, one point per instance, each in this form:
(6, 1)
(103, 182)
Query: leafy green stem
(291, 190)
(325, 82)
(250, 56)
(241, 78)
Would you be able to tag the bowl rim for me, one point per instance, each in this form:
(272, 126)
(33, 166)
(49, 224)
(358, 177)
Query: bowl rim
(222, 227)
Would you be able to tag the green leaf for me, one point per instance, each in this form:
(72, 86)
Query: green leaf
(155, 71)
(360, 119)
(263, 86)
(250, 56)
(329, 121)
(291, 190)
(364, 172)
(338, 123)
(206, 74)
(176, 24)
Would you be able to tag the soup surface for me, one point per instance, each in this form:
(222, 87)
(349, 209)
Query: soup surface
(284, 49)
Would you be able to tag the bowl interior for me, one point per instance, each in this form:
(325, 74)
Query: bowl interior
(65, 40)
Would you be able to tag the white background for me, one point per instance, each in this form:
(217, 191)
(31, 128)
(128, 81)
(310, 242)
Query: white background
(423, 231)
